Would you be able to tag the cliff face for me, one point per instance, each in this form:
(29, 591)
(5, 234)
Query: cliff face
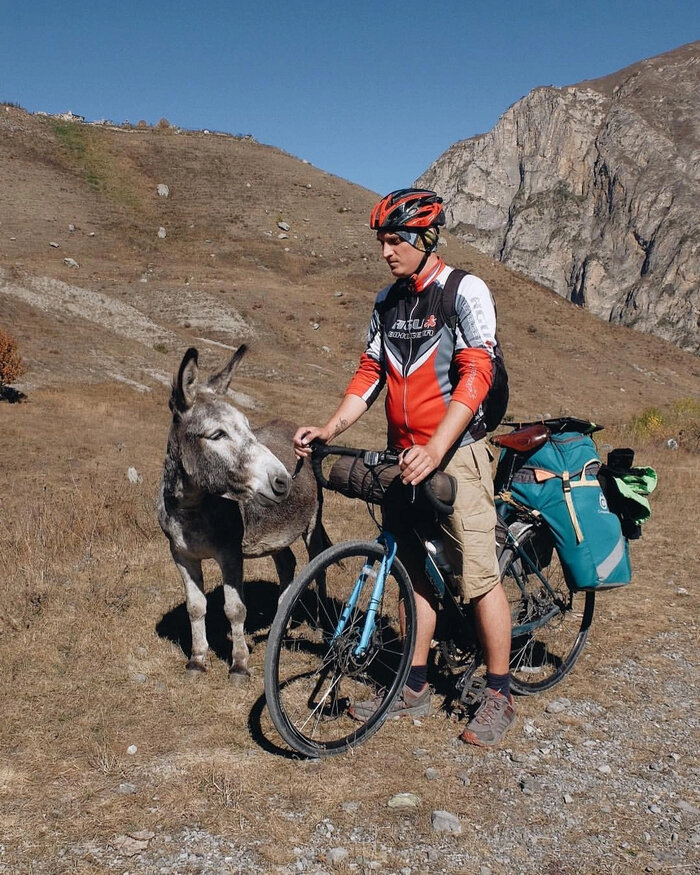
(594, 190)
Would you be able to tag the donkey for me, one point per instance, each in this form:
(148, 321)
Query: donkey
(227, 493)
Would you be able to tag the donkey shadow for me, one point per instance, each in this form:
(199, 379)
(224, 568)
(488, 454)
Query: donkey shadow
(261, 598)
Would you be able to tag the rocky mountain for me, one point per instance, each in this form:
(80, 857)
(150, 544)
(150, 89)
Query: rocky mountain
(121, 246)
(593, 190)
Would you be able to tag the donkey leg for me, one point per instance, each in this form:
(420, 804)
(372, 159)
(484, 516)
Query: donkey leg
(191, 573)
(285, 563)
(315, 537)
(235, 610)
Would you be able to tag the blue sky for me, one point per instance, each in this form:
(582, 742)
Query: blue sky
(370, 91)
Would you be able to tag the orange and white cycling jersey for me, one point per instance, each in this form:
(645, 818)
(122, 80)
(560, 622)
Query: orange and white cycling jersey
(425, 363)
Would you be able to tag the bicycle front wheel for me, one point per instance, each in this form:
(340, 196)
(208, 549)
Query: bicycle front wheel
(336, 642)
(550, 623)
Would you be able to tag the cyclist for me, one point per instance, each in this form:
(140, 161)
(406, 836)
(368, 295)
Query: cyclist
(436, 379)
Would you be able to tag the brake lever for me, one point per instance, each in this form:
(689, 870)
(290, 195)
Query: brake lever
(297, 468)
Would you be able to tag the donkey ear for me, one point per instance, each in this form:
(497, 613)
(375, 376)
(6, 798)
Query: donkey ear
(186, 384)
(219, 382)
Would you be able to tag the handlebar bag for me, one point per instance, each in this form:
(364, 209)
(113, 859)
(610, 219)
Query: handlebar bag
(381, 483)
(560, 481)
(352, 478)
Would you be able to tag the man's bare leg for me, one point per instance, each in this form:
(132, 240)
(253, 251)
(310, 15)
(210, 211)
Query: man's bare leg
(496, 713)
(493, 624)
(426, 619)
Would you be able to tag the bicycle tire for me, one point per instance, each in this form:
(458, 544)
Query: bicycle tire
(312, 678)
(547, 648)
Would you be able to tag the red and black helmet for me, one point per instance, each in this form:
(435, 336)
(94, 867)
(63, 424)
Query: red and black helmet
(412, 209)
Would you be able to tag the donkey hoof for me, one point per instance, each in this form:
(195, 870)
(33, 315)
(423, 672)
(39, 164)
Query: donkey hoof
(238, 676)
(194, 667)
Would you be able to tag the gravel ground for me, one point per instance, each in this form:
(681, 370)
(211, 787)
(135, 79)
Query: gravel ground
(582, 788)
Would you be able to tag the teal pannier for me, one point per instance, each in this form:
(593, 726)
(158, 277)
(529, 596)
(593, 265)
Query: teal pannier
(560, 481)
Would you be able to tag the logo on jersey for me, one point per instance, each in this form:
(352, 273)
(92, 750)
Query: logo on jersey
(414, 327)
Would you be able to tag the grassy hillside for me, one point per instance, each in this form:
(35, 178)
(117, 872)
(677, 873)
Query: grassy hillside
(92, 614)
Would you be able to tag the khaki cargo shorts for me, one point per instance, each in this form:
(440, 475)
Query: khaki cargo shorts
(469, 534)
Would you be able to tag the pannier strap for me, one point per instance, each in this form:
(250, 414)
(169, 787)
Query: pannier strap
(566, 485)
(591, 468)
(530, 474)
(585, 477)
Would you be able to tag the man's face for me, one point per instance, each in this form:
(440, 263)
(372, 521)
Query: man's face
(402, 258)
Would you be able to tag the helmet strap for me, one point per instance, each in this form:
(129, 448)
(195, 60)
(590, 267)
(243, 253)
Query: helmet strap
(414, 278)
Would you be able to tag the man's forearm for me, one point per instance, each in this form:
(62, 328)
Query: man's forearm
(349, 411)
(419, 461)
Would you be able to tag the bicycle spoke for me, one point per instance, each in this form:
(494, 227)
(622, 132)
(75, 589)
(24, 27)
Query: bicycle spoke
(550, 623)
(316, 667)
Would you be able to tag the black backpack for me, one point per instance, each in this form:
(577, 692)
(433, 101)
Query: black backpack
(496, 402)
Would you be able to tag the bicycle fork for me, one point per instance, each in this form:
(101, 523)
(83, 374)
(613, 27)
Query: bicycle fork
(368, 571)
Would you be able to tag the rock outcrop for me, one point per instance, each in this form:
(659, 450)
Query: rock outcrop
(593, 190)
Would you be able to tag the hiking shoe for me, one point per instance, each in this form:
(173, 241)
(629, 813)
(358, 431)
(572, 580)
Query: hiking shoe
(494, 717)
(407, 704)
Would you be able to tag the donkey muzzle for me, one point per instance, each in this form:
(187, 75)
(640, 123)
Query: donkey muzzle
(281, 484)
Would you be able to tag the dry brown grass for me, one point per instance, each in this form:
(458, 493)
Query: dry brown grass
(94, 630)
(87, 582)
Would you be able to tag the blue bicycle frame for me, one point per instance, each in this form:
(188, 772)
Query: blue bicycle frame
(389, 544)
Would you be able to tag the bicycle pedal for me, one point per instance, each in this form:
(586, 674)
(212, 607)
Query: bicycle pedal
(473, 691)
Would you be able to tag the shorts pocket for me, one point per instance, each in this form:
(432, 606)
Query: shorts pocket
(482, 519)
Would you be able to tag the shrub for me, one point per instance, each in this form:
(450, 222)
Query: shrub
(649, 422)
(680, 420)
(11, 366)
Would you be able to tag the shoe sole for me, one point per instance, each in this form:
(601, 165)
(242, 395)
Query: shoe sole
(470, 738)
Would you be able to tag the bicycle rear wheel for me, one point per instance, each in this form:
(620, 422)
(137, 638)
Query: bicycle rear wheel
(315, 669)
(550, 623)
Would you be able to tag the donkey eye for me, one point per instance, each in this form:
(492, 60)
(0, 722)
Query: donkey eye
(216, 435)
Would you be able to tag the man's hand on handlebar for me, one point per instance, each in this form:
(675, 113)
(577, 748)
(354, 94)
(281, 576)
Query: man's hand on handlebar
(417, 463)
(303, 437)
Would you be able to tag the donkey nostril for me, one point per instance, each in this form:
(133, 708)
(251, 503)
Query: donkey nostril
(281, 483)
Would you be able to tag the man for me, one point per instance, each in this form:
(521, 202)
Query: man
(437, 375)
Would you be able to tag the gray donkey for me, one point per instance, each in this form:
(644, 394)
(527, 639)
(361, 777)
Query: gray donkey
(226, 494)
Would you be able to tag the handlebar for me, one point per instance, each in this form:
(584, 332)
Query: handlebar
(373, 459)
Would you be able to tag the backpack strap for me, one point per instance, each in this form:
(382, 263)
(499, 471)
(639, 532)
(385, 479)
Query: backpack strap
(448, 308)
(496, 402)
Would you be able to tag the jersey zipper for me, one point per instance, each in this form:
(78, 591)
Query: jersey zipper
(406, 367)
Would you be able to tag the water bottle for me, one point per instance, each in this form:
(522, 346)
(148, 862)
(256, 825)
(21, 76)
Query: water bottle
(437, 565)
